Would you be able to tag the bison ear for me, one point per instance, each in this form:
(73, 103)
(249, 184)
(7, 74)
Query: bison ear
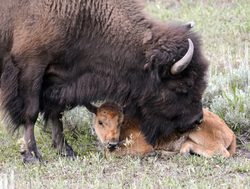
(163, 71)
(151, 64)
(91, 108)
(147, 36)
(155, 74)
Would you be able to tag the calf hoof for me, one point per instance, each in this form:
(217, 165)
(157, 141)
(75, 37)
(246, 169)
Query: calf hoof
(152, 154)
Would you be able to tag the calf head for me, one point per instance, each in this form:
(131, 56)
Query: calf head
(107, 123)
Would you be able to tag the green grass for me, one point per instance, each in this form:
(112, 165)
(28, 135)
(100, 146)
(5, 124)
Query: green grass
(225, 30)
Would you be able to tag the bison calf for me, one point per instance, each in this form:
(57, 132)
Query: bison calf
(122, 135)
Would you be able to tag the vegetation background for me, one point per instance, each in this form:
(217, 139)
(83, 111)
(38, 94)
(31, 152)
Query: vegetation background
(225, 29)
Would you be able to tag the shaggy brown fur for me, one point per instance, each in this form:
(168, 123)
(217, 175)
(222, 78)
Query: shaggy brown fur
(58, 54)
(212, 137)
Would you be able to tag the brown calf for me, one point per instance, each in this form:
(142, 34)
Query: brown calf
(122, 135)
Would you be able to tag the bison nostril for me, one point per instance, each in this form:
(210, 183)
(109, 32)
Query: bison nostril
(112, 145)
(198, 122)
(199, 119)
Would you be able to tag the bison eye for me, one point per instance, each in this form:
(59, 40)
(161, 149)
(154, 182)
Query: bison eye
(100, 123)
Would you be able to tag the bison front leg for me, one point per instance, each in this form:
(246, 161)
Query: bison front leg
(30, 152)
(29, 149)
(29, 86)
(20, 87)
(58, 140)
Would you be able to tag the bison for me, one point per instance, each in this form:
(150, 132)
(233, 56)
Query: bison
(122, 134)
(56, 55)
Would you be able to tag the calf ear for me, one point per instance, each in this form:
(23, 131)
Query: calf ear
(91, 108)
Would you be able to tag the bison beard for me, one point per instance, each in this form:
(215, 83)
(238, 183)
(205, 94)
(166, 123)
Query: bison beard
(60, 54)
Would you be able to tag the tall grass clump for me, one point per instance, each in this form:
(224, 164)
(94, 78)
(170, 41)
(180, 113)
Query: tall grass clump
(78, 130)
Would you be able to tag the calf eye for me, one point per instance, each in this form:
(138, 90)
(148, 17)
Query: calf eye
(100, 123)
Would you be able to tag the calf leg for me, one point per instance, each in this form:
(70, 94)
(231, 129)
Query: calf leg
(190, 146)
(223, 151)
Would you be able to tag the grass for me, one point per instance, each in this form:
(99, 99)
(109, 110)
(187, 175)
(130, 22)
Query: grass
(225, 30)
(93, 171)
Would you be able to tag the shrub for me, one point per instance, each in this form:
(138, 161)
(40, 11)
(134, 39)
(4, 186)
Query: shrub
(228, 93)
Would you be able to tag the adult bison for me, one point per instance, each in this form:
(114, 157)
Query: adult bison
(57, 54)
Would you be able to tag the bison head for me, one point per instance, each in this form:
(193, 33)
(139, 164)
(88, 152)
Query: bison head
(178, 75)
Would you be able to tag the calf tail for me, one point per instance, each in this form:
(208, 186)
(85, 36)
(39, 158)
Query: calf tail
(12, 105)
(232, 147)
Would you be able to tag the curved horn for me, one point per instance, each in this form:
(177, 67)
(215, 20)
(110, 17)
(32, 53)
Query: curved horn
(190, 24)
(179, 66)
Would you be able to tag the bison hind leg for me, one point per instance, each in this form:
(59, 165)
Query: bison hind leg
(59, 142)
(12, 104)
(20, 90)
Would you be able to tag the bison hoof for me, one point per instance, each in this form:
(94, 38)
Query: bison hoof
(68, 151)
(31, 158)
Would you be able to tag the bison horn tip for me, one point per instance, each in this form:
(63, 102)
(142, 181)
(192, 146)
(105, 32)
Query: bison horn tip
(190, 24)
